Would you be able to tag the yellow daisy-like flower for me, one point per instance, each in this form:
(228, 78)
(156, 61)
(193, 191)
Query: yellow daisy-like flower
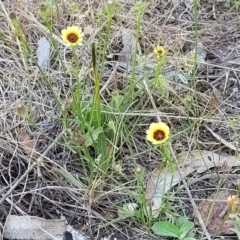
(159, 51)
(72, 36)
(232, 200)
(158, 133)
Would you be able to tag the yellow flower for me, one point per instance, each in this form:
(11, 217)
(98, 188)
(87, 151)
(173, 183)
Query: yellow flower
(232, 200)
(72, 36)
(159, 51)
(158, 133)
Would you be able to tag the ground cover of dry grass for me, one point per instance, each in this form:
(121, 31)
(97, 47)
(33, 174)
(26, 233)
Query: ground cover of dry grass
(207, 99)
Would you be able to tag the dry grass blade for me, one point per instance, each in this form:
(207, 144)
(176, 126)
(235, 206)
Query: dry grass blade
(227, 144)
(17, 182)
(13, 29)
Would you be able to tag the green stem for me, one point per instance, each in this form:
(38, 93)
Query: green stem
(97, 100)
(196, 47)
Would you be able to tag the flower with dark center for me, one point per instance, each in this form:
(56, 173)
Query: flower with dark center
(159, 51)
(158, 133)
(72, 36)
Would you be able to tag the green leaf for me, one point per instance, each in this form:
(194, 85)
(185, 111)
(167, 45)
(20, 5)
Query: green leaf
(93, 137)
(191, 233)
(185, 228)
(182, 78)
(102, 144)
(103, 151)
(165, 229)
(236, 230)
(117, 100)
(180, 221)
(112, 126)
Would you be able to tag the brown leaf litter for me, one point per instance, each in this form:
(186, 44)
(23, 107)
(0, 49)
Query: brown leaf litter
(27, 143)
(214, 211)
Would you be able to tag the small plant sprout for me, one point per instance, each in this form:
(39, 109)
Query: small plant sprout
(110, 7)
(159, 51)
(118, 168)
(233, 202)
(72, 36)
(158, 133)
(74, 7)
(21, 110)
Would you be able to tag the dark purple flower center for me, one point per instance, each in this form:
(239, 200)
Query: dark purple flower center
(72, 37)
(160, 52)
(159, 135)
